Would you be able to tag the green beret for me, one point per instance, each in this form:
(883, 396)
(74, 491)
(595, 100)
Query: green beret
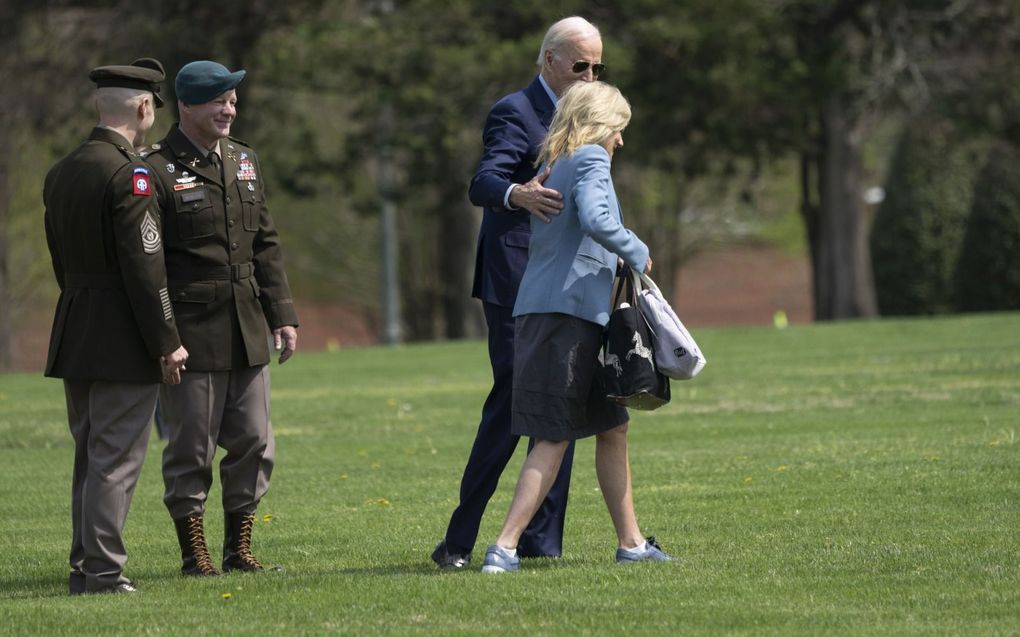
(202, 81)
(144, 74)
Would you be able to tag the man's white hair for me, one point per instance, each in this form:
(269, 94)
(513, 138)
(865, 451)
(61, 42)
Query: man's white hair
(119, 102)
(566, 31)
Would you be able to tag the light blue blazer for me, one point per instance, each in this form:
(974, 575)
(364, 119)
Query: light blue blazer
(572, 260)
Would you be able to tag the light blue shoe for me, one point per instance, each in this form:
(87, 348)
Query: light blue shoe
(498, 560)
(652, 552)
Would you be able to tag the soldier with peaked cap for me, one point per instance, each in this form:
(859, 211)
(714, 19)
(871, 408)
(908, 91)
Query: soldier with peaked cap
(229, 290)
(114, 335)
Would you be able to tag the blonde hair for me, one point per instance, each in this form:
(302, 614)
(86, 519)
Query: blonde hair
(588, 113)
(572, 29)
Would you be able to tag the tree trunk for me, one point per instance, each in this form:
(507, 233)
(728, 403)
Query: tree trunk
(809, 211)
(844, 287)
(6, 326)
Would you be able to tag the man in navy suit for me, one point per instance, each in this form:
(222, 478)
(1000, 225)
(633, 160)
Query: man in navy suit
(507, 187)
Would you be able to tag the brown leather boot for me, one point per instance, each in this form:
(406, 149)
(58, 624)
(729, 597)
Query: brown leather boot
(237, 544)
(195, 559)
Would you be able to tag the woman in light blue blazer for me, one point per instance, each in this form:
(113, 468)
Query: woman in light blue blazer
(562, 307)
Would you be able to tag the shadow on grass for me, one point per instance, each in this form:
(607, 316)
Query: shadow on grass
(430, 569)
(51, 586)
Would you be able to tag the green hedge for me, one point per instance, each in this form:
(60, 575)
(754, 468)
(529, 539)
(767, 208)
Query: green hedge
(988, 274)
(920, 226)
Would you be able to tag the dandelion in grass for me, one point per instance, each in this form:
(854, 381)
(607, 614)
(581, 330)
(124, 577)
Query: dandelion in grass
(781, 468)
(377, 502)
(376, 465)
(748, 479)
(267, 518)
(343, 476)
(227, 595)
(391, 402)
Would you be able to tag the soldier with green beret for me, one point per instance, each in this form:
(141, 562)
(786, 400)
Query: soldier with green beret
(230, 292)
(114, 336)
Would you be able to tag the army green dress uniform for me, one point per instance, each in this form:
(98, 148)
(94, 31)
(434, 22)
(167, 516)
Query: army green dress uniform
(227, 284)
(113, 322)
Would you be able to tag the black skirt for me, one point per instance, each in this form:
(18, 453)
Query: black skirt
(558, 391)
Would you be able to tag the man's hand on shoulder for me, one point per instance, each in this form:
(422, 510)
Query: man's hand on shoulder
(534, 197)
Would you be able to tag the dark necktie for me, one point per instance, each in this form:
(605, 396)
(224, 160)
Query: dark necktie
(214, 161)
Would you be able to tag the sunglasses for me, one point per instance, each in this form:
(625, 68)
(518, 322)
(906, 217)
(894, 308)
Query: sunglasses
(598, 68)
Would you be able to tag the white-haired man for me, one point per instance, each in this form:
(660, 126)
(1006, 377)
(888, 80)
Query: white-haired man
(509, 190)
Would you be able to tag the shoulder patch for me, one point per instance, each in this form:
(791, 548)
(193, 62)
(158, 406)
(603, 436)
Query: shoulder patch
(140, 181)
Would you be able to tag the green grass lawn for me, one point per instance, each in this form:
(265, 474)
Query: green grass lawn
(853, 478)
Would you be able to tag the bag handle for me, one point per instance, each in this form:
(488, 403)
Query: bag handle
(641, 281)
(626, 288)
(648, 283)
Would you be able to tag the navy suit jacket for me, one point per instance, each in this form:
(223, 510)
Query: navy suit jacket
(514, 129)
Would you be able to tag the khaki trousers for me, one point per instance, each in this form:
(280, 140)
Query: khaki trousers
(229, 409)
(110, 423)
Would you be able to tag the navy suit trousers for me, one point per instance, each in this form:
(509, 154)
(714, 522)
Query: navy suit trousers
(494, 445)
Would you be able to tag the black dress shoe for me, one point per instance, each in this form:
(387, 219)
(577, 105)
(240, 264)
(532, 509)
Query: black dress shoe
(76, 583)
(123, 587)
(449, 561)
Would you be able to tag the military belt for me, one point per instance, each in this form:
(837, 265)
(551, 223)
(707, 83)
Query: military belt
(233, 272)
(94, 281)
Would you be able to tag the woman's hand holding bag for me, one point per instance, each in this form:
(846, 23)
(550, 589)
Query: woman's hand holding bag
(628, 360)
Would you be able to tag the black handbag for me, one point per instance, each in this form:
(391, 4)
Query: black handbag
(628, 354)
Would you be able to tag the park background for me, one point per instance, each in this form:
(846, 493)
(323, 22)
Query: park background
(833, 159)
(828, 159)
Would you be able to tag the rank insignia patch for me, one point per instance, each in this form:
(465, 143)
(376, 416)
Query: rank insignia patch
(164, 299)
(150, 234)
(140, 178)
(170, 168)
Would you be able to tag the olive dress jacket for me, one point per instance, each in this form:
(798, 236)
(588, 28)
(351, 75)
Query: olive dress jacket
(223, 258)
(113, 319)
